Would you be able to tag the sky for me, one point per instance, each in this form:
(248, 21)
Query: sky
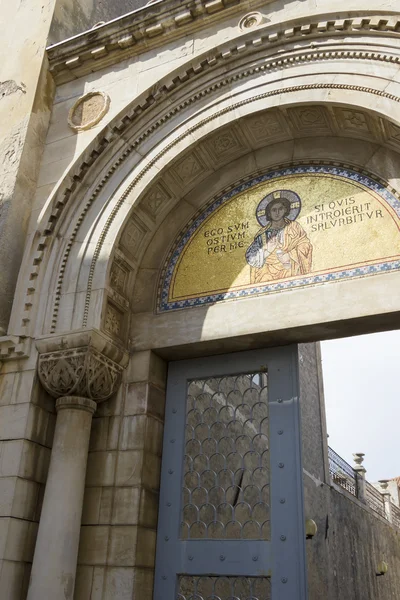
(362, 397)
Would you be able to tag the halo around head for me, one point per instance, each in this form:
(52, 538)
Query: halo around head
(292, 197)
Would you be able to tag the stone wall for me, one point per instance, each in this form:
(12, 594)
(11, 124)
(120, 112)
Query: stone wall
(116, 557)
(118, 535)
(117, 547)
(350, 543)
(26, 97)
(27, 420)
(351, 540)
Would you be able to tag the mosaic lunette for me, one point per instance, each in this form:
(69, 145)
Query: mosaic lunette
(318, 224)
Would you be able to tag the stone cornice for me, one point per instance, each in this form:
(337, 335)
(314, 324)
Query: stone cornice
(165, 21)
(138, 31)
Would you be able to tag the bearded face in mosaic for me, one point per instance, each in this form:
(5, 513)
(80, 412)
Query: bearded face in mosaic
(281, 248)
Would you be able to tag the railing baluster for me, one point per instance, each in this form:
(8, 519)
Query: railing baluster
(353, 481)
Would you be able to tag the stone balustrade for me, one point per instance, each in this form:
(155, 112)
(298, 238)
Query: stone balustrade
(353, 480)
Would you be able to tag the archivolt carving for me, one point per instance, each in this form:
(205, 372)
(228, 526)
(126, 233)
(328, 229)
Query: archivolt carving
(79, 372)
(64, 59)
(271, 64)
(188, 132)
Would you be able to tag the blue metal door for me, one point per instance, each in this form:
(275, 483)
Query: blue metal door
(231, 519)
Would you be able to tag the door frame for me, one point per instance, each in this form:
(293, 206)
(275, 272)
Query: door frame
(287, 543)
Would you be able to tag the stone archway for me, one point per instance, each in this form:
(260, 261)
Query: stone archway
(129, 431)
(87, 262)
(88, 212)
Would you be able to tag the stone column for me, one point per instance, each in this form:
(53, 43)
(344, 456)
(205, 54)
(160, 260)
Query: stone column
(81, 369)
(360, 472)
(387, 499)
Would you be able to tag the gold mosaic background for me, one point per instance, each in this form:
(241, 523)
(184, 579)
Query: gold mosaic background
(214, 258)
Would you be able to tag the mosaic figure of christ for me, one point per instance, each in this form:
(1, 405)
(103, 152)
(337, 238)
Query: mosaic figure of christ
(281, 247)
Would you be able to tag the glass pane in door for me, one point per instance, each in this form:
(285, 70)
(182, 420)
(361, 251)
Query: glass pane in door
(226, 480)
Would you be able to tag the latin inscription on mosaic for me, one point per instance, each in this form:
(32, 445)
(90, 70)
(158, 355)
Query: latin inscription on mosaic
(292, 228)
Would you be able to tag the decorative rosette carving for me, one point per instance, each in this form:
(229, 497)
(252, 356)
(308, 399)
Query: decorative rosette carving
(86, 370)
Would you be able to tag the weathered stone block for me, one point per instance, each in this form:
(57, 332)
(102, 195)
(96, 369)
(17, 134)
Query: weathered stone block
(83, 583)
(101, 468)
(7, 381)
(143, 584)
(40, 425)
(114, 428)
(13, 421)
(27, 389)
(146, 548)
(126, 506)
(123, 544)
(129, 467)
(111, 407)
(91, 506)
(93, 545)
(146, 366)
(151, 471)
(148, 508)
(24, 459)
(35, 461)
(99, 574)
(99, 434)
(18, 498)
(17, 539)
(106, 504)
(154, 436)
(10, 457)
(12, 575)
(119, 583)
(144, 398)
(133, 432)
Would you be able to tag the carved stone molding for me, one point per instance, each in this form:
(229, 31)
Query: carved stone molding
(131, 35)
(77, 403)
(115, 129)
(225, 143)
(83, 363)
(14, 347)
(153, 26)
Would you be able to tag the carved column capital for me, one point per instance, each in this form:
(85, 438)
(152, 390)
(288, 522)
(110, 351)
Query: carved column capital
(81, 363)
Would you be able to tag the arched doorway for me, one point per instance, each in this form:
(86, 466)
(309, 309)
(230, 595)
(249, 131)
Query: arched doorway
(106, 254)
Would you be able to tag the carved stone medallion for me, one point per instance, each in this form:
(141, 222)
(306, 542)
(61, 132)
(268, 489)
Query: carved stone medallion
(250, 21)
(88, 111)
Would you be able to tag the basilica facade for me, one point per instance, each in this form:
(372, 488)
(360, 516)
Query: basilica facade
(194, 193)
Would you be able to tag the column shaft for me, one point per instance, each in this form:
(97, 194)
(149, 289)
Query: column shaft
(56, 551)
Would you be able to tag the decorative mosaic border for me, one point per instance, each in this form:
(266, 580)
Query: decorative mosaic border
(350, 273)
